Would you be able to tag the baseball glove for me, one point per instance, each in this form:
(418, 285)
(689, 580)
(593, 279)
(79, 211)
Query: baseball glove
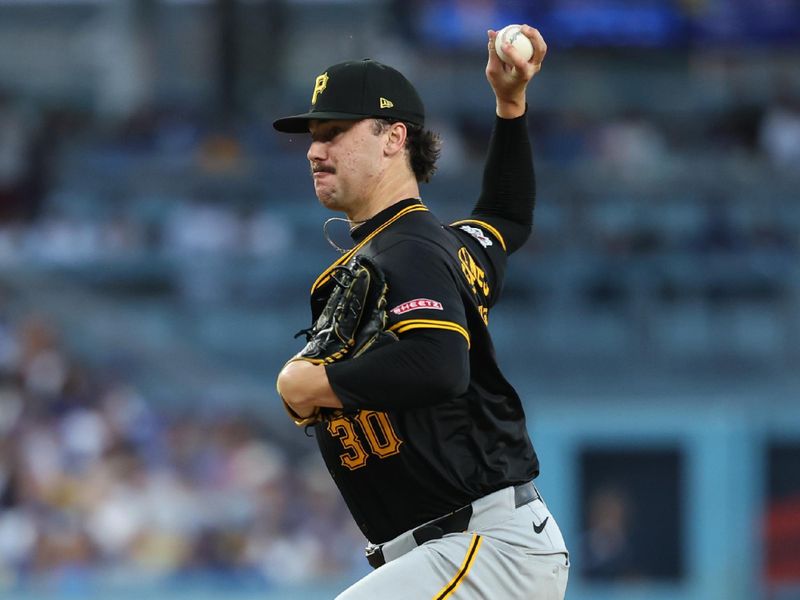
(352, 322)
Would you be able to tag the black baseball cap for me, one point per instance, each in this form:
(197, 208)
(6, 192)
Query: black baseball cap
(355, 90)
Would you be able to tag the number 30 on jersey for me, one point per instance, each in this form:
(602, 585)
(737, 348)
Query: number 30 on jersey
(375, 428)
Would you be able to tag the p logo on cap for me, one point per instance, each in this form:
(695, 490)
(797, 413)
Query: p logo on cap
(319, 86)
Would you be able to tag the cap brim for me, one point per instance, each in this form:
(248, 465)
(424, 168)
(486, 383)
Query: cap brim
(299, 123)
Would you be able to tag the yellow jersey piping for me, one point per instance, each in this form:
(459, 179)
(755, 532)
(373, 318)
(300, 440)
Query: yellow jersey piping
(410, 324)
(325, 275)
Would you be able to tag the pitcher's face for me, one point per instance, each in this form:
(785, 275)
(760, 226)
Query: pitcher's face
(346, 161)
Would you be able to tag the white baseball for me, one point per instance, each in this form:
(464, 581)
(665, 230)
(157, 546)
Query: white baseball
(513, 34)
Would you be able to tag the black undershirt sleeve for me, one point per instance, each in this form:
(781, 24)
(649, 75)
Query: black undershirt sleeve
(425, 367)
(508, 194)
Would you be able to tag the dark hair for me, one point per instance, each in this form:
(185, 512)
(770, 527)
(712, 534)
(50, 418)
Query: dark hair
(424, 147)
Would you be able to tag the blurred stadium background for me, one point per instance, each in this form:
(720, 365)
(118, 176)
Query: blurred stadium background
(157, 240)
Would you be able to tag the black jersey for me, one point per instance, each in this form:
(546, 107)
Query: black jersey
(401, 465)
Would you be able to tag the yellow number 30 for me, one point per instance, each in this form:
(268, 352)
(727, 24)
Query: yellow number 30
(381, 437)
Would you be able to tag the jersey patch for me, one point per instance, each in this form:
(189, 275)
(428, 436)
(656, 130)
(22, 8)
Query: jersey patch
(478, 235)
(417, 304)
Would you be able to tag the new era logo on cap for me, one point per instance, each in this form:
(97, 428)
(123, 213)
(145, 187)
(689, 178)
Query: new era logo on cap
(356, 90)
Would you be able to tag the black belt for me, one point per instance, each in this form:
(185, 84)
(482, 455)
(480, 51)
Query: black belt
(454, 522)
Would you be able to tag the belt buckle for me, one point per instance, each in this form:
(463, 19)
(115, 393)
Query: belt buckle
(374, 554)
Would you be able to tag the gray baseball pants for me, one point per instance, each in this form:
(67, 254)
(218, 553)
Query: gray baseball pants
(506, 553)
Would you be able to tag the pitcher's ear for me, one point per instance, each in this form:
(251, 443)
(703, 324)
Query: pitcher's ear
(396, 138)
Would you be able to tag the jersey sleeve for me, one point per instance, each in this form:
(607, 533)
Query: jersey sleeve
(423, 289)
(426, 367)
(486, 246)
(508, 193)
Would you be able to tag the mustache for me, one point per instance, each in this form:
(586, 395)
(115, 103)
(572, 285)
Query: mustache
(316, 168)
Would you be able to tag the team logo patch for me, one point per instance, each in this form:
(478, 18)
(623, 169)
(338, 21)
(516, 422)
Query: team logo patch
(478, 235)
(417, 304)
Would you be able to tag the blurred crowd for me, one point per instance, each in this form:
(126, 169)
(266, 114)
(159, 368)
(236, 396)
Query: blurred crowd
(95, 484)
(175, 183)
